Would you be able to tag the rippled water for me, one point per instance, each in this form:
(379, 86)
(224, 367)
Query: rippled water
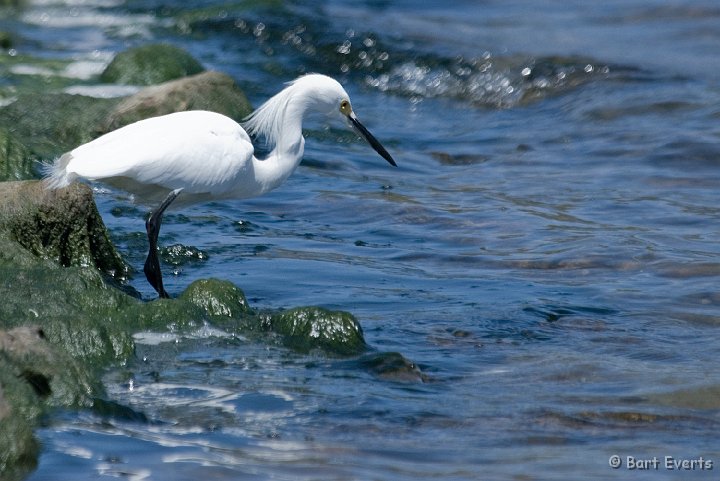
(546, 253)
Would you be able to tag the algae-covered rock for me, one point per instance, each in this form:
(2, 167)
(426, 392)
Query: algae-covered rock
(213, 91)
(63, 225)
(41, 230)
(219, 299)
(308, 328)
(34, 376)
(16, 162)
(5, 39)
(50, 124)
(49, 375)
(18, 447)
(74, 306)
(150, 64)
(11, 3)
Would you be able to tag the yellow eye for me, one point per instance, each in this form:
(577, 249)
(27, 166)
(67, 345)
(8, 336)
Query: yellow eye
(345, 107)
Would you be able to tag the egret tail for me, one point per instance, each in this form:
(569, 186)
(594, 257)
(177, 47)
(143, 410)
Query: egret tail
(56, 174)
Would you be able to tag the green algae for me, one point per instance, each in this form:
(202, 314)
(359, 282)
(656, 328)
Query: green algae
(150, 64)
(49, 124)
(61, 225)
(16, 162)
(34, 376)
(221, 300)
(310, 328)
(6, 40)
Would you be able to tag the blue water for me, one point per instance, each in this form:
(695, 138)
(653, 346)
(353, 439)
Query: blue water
(546, 253)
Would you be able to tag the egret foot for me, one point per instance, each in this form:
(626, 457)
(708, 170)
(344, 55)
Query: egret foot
(152, 263)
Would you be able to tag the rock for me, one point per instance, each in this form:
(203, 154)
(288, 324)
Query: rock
(5, 39)
(308, 328)
(11, 3)
(392, 366)
(63, 225)
(150, 64)
(50, 124)
(41, 231)
(34, 376)
(18, 447)
(212, 91)
(219, 299)
(50, 375)
(16, 162)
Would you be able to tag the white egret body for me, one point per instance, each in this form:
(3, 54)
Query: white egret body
(206, 155)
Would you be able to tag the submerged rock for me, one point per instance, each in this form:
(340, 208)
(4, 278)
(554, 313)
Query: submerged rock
(150, 64)
(308, 328)
(392, 366)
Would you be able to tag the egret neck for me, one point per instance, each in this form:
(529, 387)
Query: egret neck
(279, 122)
(282, 161)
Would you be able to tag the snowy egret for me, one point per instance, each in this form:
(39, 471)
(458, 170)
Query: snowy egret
(205, 155)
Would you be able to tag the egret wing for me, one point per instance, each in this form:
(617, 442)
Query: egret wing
(197, 151)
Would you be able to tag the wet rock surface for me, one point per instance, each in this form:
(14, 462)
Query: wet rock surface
(62, 225)
(308, 328)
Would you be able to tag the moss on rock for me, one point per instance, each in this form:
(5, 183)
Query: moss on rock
(63, 225)
(16, 161)
(6, 40)
(308, 328)
(34, 375)
(221, 300)
(150, 64)
(49, 124)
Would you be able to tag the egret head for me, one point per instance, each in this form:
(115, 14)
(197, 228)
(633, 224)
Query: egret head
(312, 92)
(332, 96)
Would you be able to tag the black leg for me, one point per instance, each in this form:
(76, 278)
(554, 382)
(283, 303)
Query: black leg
(152, 263)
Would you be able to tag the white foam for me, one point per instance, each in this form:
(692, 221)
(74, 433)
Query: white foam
(154, 338)
(102, 91)
(24, 69)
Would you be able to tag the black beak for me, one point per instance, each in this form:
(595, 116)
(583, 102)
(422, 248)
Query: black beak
(365, 133)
